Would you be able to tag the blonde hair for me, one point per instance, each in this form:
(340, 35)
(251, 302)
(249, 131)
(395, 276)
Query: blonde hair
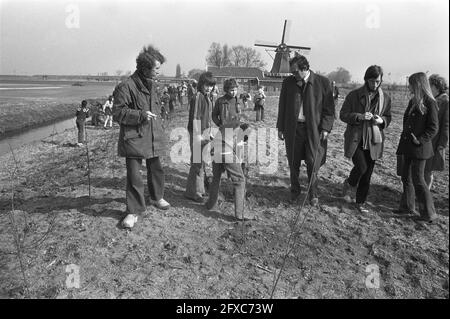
(420, 88)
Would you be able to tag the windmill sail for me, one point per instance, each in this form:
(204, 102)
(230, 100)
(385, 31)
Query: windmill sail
(281, 61)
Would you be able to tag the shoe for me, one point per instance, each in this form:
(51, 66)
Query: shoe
(214, 208)
(129, 221)
(349, 200)
(197, 199)
(314, 201)
(401, 211)
(161, 204)
(247, 216)
(362, 208)
(347, 190)
(427, 219)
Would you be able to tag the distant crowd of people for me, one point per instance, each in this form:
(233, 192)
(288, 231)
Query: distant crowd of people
(306, 114)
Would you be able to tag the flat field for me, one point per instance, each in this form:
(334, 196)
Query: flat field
(26, 104)
(187, 252)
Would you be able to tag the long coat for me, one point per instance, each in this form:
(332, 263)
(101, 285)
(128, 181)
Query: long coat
(318, 109)
(423, 126)
(437, 162)
(138, 137)
(354, 105)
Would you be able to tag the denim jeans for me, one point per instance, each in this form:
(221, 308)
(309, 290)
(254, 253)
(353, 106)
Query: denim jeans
(195, 183)
(236, 174)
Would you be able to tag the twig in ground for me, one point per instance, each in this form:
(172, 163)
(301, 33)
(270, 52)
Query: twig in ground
(263, 268)
(16, 233)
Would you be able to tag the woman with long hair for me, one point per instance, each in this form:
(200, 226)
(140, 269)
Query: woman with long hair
(439, 88)
(420, 125)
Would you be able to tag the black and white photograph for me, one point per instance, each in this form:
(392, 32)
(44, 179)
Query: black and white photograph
(224, 155)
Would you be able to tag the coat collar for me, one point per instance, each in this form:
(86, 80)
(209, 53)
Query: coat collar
(139, 84)
(362, 95)
(312, 77)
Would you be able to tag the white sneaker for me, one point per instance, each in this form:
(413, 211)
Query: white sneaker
(161, 204)
(349, 199)
(129, 221)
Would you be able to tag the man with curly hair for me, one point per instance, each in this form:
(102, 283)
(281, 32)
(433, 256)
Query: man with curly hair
(136, 109)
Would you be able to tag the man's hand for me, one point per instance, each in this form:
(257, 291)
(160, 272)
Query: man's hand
(378, 119)
(368, 116)
(150, 115)
(323, 135)
(281, 135)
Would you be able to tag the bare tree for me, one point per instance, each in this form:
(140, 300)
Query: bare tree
(237, 57)
(252, 58)
(246, 57)
(215, 55)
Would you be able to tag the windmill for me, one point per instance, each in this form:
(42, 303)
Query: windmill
(281, 61)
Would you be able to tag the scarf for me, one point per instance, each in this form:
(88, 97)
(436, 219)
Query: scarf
(371, 131)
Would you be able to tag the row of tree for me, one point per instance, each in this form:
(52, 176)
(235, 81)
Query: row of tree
(237, 56)
(241, 56)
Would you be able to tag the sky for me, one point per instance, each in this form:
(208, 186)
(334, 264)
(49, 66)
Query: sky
(88, 37)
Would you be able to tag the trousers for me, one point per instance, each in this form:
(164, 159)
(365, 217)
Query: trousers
(361, 173)
(135, 187)
(312, 167)
(81, 126)
(414, 186)
(236, 174)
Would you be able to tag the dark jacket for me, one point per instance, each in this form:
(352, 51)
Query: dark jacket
(82, 114)
(354, 106)
(138, 137)
(225, 113)
(200, 109)
(437, 162)
(318, 108)
(423, 126)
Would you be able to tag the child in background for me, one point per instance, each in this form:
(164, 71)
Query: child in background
(245, 97)
(107, 109)
(199, 128)
(165, 98)
(259, 101)
(226, 115)
(82, 114)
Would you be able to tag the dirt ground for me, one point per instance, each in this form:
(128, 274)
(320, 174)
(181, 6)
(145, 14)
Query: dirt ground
(187, 252)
